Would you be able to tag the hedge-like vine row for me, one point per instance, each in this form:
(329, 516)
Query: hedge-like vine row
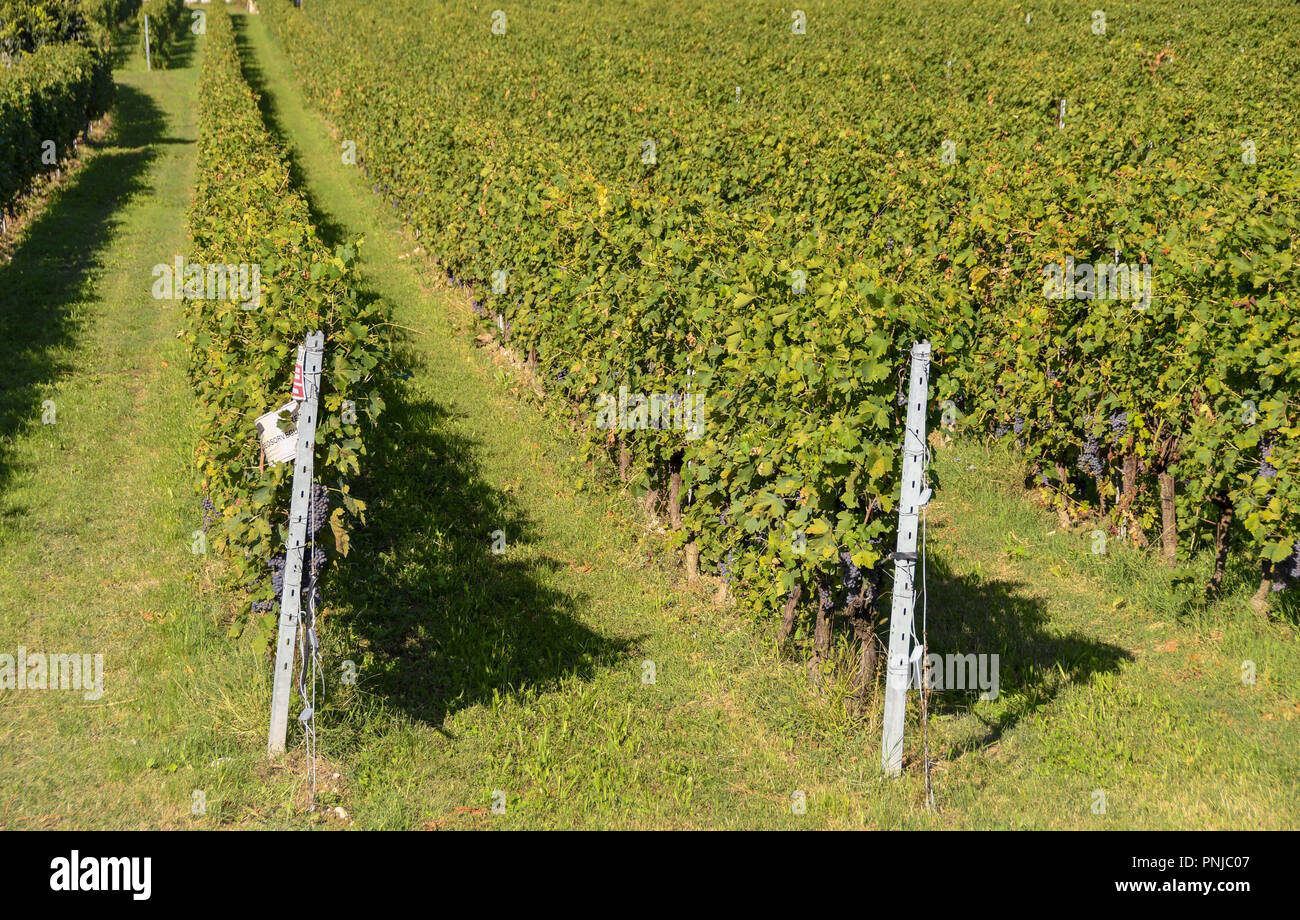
(49, 95)
(109, 14)
(247, 212)
(773, 217)
(26, 25)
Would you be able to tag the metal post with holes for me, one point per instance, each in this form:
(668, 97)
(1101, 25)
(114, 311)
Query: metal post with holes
(299, 505)
(901, 631)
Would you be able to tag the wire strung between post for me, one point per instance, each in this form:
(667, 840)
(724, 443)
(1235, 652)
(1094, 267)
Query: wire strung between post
(925, 665)
(309, 648)
(924, 641)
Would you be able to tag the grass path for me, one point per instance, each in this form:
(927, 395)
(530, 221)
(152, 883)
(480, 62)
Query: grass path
(97, 508)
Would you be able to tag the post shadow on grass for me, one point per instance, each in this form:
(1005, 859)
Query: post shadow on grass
(969, 615)
(58, 260)
(435, 620)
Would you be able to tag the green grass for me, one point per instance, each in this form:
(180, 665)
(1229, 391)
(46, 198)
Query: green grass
(522, 672)
(1115, 676)
(98, 508)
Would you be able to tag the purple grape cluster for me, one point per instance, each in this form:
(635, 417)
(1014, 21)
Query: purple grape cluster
(725, 567)
(1266, 469)
(850, 574)
(1018, 425)
(315, 561)
(208, 509)
(1287, 572)
(1001, 429)
(1118, 422)
(277, 574)
(319, 509)
(1090, 458)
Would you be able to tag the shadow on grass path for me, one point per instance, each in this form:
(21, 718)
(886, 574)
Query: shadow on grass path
(441, 619)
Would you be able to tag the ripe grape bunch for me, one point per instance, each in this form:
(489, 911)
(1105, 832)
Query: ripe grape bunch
(1090, 459)
(208, 509)
(1266, 469)
(852, 575)
(1287, 572)
(1118, 422)
(314, 563)
(859, 587)
(276, 564)
(277, 574)
(320, 507)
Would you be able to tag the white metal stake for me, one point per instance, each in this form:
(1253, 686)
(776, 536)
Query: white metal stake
(148, 58)
(299, 505)
(901, 632)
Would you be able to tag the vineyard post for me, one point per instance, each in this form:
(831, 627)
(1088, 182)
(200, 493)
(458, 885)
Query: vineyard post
(903, 608)
(148, 58)
(291, 593)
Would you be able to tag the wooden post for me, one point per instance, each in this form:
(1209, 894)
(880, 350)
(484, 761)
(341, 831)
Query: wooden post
(904, 599)
(1168, 518)
(1222, 529)
(675, 491)
(692, 561)
(787, 618)
(624, 460)
(299, 505)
